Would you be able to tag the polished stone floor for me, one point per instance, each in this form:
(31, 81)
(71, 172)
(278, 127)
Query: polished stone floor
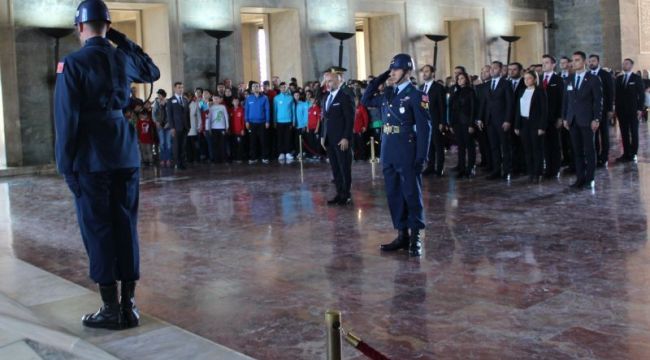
(251, 257)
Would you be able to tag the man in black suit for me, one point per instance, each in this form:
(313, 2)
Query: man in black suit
(437, 101)
(515, 76)
(602, 134)
(178, 116)
(565, 135)
(582, 109)
(553, 85)
(338, 117)
(482, 91)
(497, 118)
(630, 98)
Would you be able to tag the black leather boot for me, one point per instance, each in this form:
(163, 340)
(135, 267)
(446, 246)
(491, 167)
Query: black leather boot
(109, 315)
(401, 242)
(415, 245)
(130, 313)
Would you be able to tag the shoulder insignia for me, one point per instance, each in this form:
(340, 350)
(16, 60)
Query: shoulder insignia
(59, 67)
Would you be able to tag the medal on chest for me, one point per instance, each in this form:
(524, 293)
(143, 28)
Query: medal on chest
(402, 110)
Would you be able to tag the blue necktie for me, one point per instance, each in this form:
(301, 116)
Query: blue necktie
(329, 102)
(578, 80)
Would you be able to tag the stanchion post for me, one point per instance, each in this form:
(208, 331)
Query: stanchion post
(373, 159)
(333, 322)
(300, 147)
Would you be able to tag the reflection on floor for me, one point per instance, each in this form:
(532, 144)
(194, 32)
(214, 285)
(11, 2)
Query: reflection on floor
(251, 257)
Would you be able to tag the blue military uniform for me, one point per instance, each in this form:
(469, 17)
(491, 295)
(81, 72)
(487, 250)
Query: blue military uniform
(405, 142)
(97, 149)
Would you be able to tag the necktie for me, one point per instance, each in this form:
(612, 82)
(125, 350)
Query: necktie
(578, 80)
(514, 85)
(494, 84)
(627, 78)
(545, 82)
(329, 102)
(426, 88)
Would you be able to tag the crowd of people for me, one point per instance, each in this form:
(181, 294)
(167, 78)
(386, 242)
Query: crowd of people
(515, 118)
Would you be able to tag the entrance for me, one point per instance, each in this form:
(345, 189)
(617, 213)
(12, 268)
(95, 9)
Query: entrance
(148, 26)
(530, 48)
(378, 39)
(271, 44)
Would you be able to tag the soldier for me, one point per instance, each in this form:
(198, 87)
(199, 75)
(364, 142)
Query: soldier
(97, 153)
(405, 146)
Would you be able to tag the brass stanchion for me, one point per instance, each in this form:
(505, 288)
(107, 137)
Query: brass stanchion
(373, 158)
(300, 154)
(333, 322)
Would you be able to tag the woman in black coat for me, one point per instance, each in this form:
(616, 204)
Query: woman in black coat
(531, 119)
(461, 105)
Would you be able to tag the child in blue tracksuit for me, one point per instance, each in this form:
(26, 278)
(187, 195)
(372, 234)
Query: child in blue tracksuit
(301, 109)
(258, 119)
(283, 110)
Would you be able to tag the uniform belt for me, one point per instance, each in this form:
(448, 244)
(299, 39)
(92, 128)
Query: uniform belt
(396, 129)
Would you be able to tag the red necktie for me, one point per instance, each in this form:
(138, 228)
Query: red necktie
(545, 82)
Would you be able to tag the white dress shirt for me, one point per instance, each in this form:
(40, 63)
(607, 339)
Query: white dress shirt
(524, 103)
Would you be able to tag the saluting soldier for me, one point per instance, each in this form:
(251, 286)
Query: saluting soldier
(97, 153)
(404, 150)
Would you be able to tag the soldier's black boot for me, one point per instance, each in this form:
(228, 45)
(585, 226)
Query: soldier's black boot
(109, 315)
(415, 244)
(401, 242)
(130, 313)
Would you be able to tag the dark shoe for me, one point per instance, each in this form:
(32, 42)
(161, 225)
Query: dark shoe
(130, 313)
(334, 201)
(470, 174)
(578, 184)
(345, 201)
(623, 158)
(494, 176)
(461, 174)
(440, 173)
(633, 158)
(429, 170)
(589, 184)
(506, 177)
(601, 164)
(552, 175)
(400, 243)
(109, 315)
(415, 244)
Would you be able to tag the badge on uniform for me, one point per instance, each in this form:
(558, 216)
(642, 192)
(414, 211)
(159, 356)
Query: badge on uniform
(569, 88)
(59, 67)
(402, 110)
(425, 102)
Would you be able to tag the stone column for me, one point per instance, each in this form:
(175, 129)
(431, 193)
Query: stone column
(9, 88)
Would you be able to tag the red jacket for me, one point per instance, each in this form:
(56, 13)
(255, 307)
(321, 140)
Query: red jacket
(360, 119)
(146, 130)
(314, 116)
(237, 123)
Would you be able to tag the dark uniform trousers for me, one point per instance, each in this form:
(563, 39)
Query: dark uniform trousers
(403, 182)
(341, 163)
(466, 147)
(629, 124)
(107, 210)
(584, 151)
(552, 153)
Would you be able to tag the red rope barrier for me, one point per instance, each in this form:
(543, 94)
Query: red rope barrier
(370, 352)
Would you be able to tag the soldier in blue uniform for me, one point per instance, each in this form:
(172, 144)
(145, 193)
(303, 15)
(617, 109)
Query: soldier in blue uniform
(97, 153)
(404, 148)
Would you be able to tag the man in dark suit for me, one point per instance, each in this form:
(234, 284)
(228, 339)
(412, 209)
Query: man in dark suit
(582, 109)
(553, 85)
(338, 117)
(178, 116)
(497, 117)
(515, 75)
(602, 134)
(630, 98)
(482, 91)
(437, 111)
(565, 135)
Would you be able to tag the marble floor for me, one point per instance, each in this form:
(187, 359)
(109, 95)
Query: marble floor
(251, 257)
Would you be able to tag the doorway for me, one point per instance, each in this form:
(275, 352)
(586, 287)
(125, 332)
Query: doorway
(463, 46)
(3, 147)
(271, 44)
(530, 48)
(378, 39)
(148, 26)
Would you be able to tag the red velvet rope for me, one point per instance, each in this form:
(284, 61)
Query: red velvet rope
(370, 352)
